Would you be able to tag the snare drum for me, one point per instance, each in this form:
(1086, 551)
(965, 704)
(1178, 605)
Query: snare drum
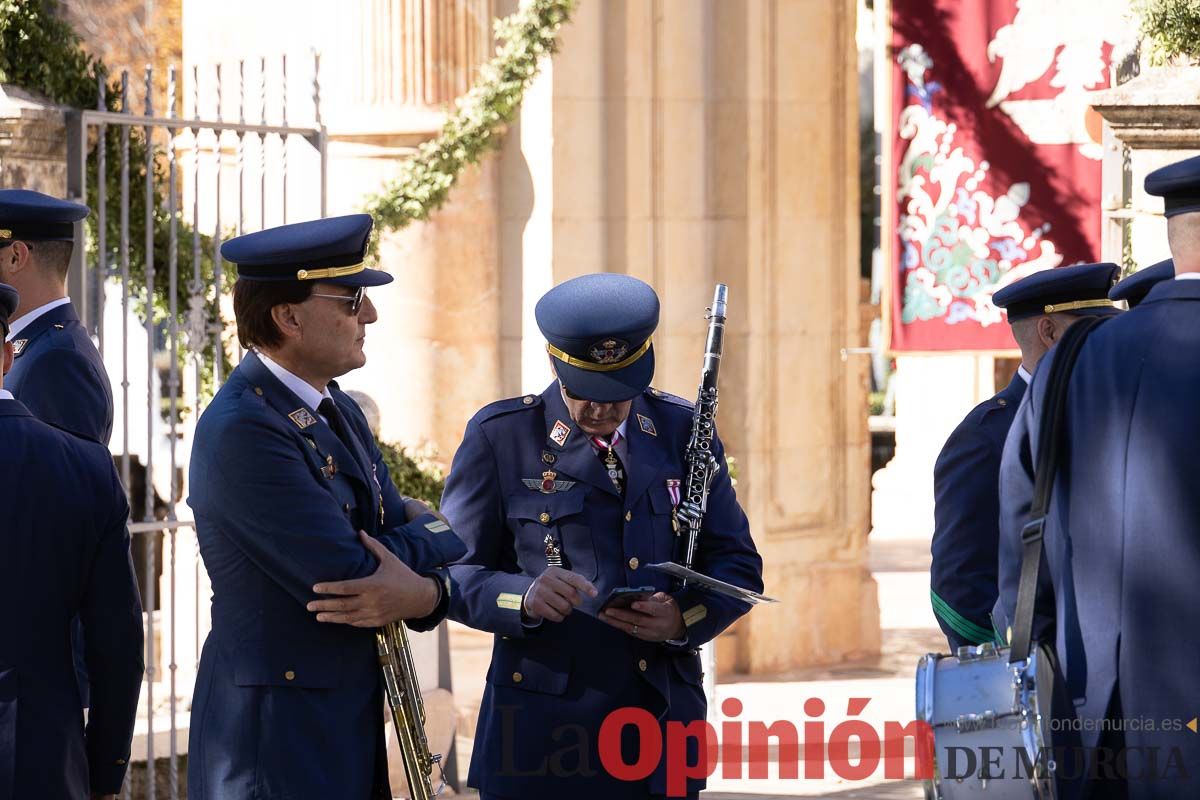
(990, 722)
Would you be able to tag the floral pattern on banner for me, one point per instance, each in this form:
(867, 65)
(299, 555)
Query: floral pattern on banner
(959, 243)
(997, 171)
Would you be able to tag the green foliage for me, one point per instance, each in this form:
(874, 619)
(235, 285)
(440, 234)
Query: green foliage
(41, 53)
(481, 116)
(413, 477)
(1172, 27)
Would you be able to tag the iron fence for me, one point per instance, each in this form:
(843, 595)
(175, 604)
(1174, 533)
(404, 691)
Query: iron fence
(203, 176)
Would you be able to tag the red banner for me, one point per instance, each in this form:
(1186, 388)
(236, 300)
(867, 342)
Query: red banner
(996, 155)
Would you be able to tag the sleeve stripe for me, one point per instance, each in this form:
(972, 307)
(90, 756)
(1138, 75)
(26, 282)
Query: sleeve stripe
(965, 628)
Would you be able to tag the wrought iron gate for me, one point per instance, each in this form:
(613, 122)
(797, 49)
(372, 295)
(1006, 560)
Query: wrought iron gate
(201, 176)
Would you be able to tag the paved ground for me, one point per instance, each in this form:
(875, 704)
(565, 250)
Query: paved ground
(901, 569)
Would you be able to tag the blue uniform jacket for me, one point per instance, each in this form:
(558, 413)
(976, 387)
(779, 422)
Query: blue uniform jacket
(64, 552)
(966, 514)
(59, 376)
(285, 706)
(1121, 544)
(549, 688)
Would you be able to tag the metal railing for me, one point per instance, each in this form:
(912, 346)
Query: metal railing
(224, 167)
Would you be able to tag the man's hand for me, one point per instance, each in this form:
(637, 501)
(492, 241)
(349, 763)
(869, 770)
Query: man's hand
(656, 619)
(393, 592)
(555, 593)
(414, 508)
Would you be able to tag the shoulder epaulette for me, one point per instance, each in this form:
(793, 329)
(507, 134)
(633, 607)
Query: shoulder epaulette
(508, 406)
(659, 394)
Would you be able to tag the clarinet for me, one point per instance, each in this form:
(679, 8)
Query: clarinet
(702, 465)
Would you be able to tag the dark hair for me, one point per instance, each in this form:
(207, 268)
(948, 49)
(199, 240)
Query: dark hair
(252, 304)
(53, 255)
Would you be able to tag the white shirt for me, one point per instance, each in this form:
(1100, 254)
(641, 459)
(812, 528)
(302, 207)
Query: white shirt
(5, 394)
(17, 325)
(299, 387)
(1024, 373)
(1188, 276)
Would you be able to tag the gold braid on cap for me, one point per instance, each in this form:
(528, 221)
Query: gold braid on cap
(566, 358)
(1077, 304)
(329, 272)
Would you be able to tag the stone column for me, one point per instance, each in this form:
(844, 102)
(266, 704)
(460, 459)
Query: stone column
(1156, 117)
(33, 143)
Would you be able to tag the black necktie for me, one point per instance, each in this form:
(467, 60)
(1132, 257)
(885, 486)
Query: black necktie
(329, 410)
(607, 451)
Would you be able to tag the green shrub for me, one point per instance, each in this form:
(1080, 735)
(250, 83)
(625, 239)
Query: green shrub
(413, 477)
(1172, 28)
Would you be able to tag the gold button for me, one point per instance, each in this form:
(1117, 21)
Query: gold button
(120, 762)
(628, 516)
(528, 400)
(642, 665)
(258, 390)
(1002, 402)
(291, 676)
(545, 518)
(518, 677)
(633, 563)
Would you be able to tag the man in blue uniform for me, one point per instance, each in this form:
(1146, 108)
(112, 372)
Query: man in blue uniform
(64, 552)
(308, 544)
(561, 498)
(1133, 290)
(58, 374)
(1120, 534)
(966, 475)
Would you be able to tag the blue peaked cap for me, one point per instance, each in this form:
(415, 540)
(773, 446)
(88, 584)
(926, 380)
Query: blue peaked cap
(598, 330)
(330, 250)
(1080, 289)
(32, 216)
(1134, 289)
(1178, 185)
(8, 304)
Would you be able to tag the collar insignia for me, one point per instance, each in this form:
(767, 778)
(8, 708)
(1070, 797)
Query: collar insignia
(560, 432)
(547, 483)
(303, 418)
(647, 425)
(19, 345)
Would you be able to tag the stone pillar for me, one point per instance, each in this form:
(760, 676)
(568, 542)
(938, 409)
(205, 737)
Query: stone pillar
(33, 143)
(689, 142)
(1156, 116)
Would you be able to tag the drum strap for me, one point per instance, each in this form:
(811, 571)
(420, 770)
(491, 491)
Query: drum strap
(1050, 445)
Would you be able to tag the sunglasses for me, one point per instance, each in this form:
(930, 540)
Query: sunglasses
(356, 299)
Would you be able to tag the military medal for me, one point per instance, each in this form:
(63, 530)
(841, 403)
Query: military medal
(553, 551)
(330, 468)
(612, 464)
(673, 490)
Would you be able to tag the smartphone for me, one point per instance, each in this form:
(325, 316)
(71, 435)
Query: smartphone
(625, 596)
